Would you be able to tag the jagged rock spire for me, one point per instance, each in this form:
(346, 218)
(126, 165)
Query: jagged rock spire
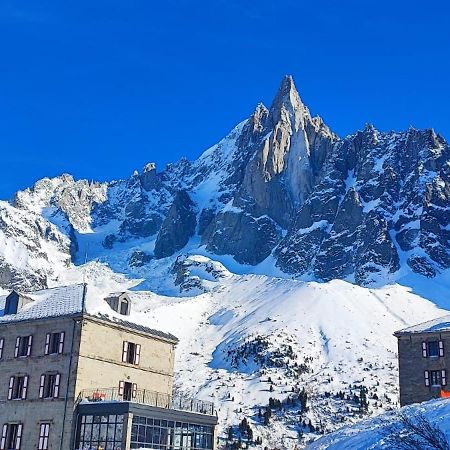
(287, 98)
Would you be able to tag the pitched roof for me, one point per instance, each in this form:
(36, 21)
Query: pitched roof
(137, 327)
(431, 326)
(71, 300)
(54, 302)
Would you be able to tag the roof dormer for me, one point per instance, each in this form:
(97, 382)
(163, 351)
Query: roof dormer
(119, 302)
(15, 302)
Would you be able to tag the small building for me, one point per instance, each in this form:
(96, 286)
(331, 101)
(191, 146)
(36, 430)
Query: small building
(424, 360)
(80, 376)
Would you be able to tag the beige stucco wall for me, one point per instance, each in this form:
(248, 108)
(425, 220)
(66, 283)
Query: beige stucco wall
(33, 411)
(100, 363)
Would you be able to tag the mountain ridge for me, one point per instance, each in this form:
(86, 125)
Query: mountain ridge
(281, 185)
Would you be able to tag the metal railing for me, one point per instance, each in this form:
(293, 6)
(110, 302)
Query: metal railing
(146, 397)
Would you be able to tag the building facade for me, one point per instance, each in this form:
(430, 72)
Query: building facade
(75, 379)
(424, 361)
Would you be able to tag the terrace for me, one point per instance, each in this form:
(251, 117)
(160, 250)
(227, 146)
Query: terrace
(148, 398)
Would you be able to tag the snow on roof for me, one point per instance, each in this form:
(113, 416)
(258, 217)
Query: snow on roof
(71, 300)
(54, 302)
(435, 325)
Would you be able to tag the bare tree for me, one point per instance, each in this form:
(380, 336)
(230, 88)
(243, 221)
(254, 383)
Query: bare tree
(415, 432)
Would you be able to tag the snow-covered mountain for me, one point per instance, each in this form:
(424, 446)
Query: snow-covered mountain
(284, 258)
(281, 190)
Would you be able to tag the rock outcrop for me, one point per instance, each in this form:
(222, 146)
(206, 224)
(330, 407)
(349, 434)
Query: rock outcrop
(280, 185)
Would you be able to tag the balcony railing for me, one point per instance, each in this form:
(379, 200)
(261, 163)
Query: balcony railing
(147, 397)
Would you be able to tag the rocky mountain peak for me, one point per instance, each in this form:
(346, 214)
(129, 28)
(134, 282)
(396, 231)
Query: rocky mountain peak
(287, 105)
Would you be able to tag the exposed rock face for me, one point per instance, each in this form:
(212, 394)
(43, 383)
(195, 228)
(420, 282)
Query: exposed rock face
(381, 193)
(195, 274)
(178, 226)
(281, 184)
(139, 258)
(32, 250)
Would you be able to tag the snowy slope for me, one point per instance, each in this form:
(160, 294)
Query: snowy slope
(373, 434)
(323, 337)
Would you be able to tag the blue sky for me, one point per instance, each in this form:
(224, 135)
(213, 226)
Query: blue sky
(99, 88)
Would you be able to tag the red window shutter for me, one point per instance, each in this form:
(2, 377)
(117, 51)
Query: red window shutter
(19, 436)
(56, 388)
(2, 344)
(25, 387)
(125, 351)
(134, 390)
(4, 434)
(16, 351)
(41, 386)
(47, 343)
(424, 349)
(444, 377)
(137, 355)
(10, 388)
(427, 378)
(121, 387)
(441, 349)
(61, 342)
(30, 342)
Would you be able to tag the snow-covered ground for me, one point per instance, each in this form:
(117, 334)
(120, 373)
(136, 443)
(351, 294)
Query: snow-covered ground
(375, 433)
(252, 337)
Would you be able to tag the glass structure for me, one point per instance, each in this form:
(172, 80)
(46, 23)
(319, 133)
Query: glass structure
(100, 432)
(169, 435)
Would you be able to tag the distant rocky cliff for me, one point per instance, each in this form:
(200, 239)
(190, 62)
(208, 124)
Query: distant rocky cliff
(281, 186)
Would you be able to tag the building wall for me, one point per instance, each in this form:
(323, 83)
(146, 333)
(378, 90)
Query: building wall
(93, 357)
(412, 366)
(33, 411)
(100, 364)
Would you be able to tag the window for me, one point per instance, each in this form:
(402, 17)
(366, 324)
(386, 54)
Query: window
(101, 431)
(147, 432)
(44, 432)
(435, 378)
(54, 343)
(11, 436)
(433, 349)
(127, 390)
(2, 344)
(23, 346)
(123, 307)
(18, 386)
(131, 353)
(49, 385)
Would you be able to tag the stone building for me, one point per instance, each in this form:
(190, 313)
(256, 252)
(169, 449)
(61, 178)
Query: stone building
(424, 360)
(82, 375)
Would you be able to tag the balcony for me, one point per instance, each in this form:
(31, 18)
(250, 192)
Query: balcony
(149, 398)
